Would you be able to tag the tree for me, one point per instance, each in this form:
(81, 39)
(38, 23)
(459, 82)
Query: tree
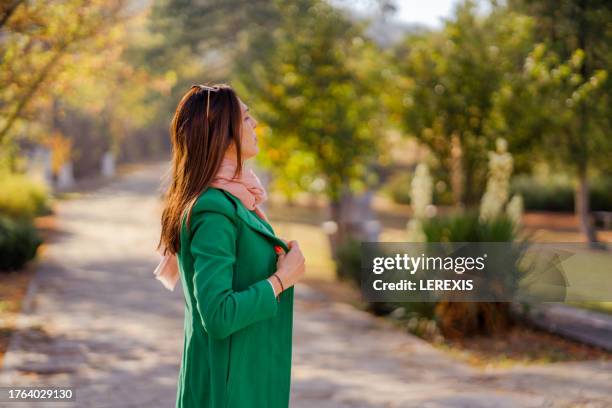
(574, 93)
(38, 39)
(198, 42)
(452, 76)
(211, 31)
(315, 83)
(544, 106)
(70, 71)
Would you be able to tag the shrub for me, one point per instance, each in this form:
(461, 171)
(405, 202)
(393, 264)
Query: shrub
(601, 194)
(398, 188)
(457, 319)
(21, 197)
(348, 268)
(452, 319)
(467, 227)
(19, 241)
(348, 262)
(557, 193)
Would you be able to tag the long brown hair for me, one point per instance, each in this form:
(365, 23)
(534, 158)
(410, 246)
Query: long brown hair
(200, 135)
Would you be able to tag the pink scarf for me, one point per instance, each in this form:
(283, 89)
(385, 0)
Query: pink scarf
(245, 187)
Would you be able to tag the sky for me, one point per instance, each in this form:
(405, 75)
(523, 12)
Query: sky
(426, 12)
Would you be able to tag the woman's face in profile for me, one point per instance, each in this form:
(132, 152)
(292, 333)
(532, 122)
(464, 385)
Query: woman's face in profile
(248, 136)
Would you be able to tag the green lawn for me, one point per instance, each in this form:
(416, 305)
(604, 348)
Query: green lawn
(603, 307)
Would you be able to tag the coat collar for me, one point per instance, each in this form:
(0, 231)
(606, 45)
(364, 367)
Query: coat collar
(254, 221)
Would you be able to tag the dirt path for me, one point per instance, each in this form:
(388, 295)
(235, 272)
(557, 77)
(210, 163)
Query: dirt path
(96, 319)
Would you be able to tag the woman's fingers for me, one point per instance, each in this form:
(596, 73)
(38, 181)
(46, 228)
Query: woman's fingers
(280, 259)
(290, 265)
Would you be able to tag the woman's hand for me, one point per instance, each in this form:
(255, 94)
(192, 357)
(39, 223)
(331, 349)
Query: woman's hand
(290, 266)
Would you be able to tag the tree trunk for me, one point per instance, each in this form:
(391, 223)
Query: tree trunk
(456, 170)
(336, 238)
(353, 218)
(582, 205)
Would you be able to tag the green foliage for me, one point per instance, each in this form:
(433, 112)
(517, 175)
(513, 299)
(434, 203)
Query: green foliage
(469, 228)
(601, 194)
(22, 197)
(557, 194)
(566, 25)
(48, 49)
(206, 25)
(450, 78)
(348, 262)
(559, 104)
(314, 83)
(461, 319)
(552, 107)
(451, 319)
(398, 187)
(70, 71)
(348, 268)
(19, 241)
(189, 42)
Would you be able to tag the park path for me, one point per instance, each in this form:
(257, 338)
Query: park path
(97, 320)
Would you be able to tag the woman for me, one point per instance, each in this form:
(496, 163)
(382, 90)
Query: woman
(237, 276)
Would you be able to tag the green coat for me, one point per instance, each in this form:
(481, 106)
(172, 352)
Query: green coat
(237, 344)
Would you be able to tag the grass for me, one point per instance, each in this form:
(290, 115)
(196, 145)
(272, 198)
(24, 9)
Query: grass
(303, 224)
(602, 307)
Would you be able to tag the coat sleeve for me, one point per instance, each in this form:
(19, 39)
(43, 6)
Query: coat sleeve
(224, 311)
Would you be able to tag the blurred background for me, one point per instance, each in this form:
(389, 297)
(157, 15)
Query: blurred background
(379, 120)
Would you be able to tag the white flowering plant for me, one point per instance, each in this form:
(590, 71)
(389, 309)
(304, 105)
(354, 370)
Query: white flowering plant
(495, 198)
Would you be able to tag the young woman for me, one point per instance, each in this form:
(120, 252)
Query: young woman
(237, 275)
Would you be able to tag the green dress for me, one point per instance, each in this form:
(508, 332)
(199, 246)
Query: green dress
(237, 344)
